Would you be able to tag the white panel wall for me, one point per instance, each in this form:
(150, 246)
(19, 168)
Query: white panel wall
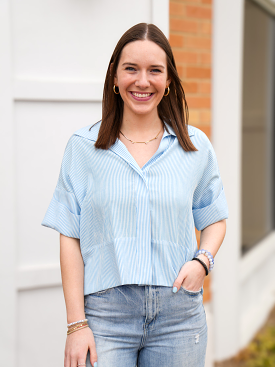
(226, 137)
(69, 39)
(53, 59)
(7, 197)
(243, 286)
(41, 133)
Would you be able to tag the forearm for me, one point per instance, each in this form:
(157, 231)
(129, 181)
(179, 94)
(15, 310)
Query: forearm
(72, 272)
(212, 238)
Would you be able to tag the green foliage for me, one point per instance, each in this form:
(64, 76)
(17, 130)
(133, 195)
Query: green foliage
(261, 351)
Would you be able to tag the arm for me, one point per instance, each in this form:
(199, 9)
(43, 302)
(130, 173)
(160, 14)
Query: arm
(72, 272)
(192, 274)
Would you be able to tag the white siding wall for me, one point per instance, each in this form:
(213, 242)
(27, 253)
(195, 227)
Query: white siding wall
(243, 286)
(53, 59)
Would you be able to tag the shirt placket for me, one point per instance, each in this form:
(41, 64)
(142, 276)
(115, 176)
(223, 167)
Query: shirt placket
(143, 260)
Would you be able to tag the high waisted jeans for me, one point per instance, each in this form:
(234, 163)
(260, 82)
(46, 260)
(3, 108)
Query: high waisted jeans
(147, 326)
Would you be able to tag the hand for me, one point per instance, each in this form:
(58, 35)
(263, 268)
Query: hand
(191, 276)
(77, 346)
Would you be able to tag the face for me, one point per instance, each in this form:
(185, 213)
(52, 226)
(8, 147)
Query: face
(142, 77)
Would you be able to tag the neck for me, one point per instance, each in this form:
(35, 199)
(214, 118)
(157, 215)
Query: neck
(139, 126)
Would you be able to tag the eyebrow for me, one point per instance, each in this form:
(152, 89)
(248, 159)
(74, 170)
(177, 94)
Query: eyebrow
(152, 66)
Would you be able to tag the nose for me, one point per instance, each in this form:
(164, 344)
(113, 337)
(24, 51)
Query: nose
(142, 80)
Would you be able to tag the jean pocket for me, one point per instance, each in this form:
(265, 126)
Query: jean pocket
(191, 293)
(89, 297)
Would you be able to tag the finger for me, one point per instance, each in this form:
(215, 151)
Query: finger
(78, 360)
(74, 361)
(67, 361)
(93, 356)
(178, 282)
(81, 363)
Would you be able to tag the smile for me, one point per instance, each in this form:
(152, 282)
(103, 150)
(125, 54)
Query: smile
(141, 95)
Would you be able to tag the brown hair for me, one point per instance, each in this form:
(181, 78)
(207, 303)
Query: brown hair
(172, 109)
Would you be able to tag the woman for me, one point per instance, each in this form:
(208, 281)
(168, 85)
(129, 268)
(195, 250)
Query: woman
(130, 192)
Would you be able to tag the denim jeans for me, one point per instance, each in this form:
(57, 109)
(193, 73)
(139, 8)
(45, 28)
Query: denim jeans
(147, 326)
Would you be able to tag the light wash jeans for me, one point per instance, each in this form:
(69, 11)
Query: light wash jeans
(147, 326)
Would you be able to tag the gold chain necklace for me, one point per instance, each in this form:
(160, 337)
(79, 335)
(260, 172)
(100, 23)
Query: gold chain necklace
(144, 142)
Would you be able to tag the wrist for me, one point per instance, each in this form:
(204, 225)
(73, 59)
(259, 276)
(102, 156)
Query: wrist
(77, 326)
(202, 265)
(204, 259)
(75, 317)
(207, 255)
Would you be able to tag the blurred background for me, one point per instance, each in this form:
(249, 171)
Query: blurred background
(53, 59)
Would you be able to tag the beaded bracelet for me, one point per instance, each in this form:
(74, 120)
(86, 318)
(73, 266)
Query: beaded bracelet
(208, 255)
(76, 322)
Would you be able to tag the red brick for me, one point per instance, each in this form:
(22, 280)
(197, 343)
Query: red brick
(199, 102)
(197, 72)
(205, 58)
(198, 42)
(205, 27)
(207, 289)
(188, 26)
(205, 128)
(194, 116)
(198, 237)
(176, 40)
(205, 116)
(177, 8)
(204, 87)
(190, 87)
(185, 57)
(186, 1)
(198, 12)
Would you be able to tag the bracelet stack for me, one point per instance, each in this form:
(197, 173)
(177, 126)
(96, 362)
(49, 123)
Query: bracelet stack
(77, 325)
(208, 255)
(202, 263)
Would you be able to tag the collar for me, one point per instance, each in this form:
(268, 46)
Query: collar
(92, 133)
(172, 132)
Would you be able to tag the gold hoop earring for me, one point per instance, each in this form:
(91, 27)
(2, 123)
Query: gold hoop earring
(114, 89)
(168, 91)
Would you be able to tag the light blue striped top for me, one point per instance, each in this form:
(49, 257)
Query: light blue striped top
(136, 225)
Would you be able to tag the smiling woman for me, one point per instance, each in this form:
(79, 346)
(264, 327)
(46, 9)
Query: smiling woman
(140, 81)
(131, 190)
(143, 63)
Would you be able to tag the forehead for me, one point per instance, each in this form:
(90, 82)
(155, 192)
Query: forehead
(143, 52)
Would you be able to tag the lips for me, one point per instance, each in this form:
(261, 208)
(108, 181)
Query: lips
(141, 96)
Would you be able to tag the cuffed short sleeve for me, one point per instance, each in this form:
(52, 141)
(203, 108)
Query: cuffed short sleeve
(209, 202)
(63, 213)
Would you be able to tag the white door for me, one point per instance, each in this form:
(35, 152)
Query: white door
(53, 59)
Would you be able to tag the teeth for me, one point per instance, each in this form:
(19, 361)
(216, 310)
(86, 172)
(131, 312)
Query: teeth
(141, 95)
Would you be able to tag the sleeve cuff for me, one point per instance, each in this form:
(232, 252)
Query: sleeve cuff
(213, 213)
(59, 217)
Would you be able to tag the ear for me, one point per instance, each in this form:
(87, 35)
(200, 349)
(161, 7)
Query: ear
(168, 81)
(111, 69)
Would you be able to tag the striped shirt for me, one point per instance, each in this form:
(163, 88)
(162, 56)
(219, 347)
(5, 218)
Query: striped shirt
(135, 225)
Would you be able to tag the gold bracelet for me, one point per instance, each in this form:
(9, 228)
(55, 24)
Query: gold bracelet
(72, 331)
(77, 326)
(79, 323)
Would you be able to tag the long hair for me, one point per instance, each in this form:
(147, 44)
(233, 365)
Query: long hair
(172, 109)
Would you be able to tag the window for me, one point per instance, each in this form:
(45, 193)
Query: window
(258, 132)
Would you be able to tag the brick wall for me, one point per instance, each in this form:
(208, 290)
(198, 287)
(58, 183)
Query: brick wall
(190, 38)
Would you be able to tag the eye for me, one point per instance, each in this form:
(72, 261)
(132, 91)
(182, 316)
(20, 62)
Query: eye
(156, 71)
(130, 68)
